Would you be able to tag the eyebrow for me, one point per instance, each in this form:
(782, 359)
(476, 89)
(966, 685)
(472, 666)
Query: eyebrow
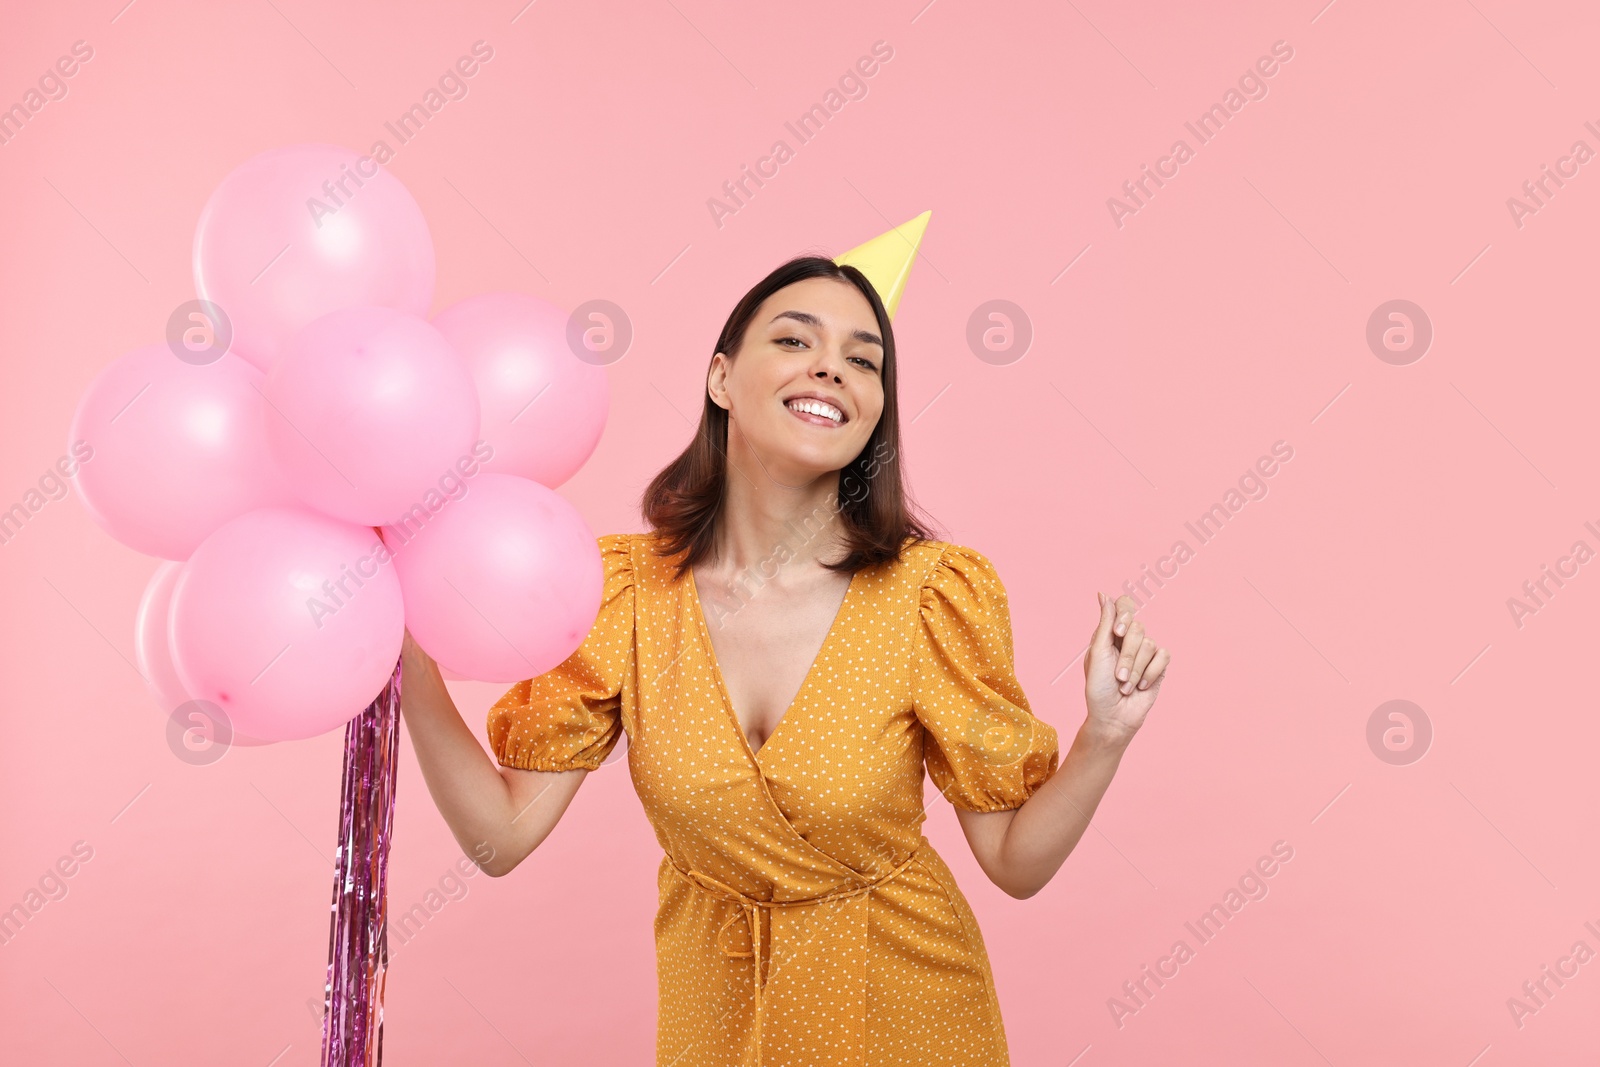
(811, 320)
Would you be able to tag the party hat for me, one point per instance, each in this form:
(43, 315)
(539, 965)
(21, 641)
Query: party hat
(886, 259)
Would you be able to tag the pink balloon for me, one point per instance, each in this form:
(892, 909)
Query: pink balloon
(152, 653)
(367, 409)
(178, 449)
(287, 620)
(501, 584)
(543, 407)
(296, 232)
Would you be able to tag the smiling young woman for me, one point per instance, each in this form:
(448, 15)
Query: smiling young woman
(788, 650)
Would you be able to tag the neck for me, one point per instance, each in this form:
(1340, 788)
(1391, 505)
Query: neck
(775, 515)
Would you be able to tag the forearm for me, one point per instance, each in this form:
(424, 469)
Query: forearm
(466, 786)
(1045, 830)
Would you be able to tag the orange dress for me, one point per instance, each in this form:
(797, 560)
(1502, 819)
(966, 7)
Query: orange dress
(803, 918)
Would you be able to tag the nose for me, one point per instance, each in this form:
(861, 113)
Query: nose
(830, 361)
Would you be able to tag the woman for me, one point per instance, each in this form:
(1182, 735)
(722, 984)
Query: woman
(786, 651)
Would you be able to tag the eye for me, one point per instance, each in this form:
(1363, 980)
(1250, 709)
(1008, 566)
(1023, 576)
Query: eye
(862, 360)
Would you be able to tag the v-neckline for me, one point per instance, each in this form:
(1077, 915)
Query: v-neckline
(722, 683)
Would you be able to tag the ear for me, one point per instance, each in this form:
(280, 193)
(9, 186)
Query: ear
(716, 380)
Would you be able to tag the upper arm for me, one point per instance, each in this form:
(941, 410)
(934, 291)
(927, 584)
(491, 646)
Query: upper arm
(547, 732)
(538, 800)
(571, 716)
(986, 833)
(984, 748)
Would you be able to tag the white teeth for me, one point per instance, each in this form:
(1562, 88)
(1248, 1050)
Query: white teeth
(817, 407)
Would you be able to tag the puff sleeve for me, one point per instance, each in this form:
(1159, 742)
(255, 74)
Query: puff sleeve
(983, 747)
(571, 716)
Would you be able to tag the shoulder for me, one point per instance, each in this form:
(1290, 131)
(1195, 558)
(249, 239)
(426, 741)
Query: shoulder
(961, 591)
(637, 558)
(624, 544)
(616, 549)
(949, 579)
(940, 561)
(617, 553)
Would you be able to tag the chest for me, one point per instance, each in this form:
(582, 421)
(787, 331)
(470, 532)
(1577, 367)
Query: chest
(765, 645)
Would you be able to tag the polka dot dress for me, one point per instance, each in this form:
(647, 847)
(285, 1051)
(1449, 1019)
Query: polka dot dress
(803, 918)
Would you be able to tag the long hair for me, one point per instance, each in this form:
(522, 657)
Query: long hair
(877, 517)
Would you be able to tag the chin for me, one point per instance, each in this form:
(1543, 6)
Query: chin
(814, 462)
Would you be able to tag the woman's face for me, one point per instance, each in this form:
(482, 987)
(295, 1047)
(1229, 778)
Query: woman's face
(814, 339)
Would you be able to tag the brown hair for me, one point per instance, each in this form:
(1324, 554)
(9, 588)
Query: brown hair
(682, 502)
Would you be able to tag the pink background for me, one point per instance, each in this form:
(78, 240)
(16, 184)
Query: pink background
(1229, 313)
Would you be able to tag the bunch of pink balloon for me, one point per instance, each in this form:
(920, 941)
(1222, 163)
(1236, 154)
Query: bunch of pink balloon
(325, 467)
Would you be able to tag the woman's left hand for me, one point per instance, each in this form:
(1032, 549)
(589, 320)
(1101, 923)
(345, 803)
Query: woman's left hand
(413, 655)
(1123, 669)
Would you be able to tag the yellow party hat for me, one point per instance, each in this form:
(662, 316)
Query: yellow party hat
(886, 259)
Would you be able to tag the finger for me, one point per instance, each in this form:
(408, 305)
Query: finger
(1130, 645)
(1126, 607)
(1147, 652)
(1157, 669)
(1100, 643)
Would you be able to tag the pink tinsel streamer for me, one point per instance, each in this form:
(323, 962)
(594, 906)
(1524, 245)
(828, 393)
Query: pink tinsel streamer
(358, 942)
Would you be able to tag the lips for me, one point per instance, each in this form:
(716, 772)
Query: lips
(816, 411)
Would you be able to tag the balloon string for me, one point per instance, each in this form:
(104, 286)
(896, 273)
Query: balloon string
(358, 935)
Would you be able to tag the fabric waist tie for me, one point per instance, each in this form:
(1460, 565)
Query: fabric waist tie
(750, 910)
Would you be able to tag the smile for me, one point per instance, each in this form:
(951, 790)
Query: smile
(816, 412)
